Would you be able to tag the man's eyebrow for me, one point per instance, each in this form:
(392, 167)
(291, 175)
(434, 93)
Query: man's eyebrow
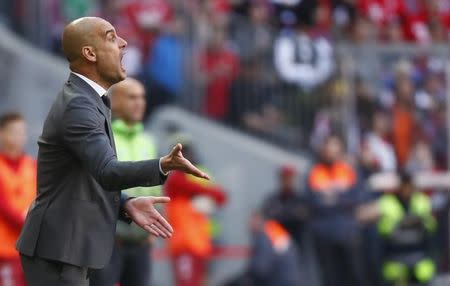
(109, 31)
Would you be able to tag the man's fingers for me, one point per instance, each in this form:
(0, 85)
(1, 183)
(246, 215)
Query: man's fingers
(165, 223)
(161, 200)
(196, 172)
(167, 232)
(177, 148)
(159, 231)
(150, 230)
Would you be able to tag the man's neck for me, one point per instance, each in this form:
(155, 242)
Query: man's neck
(92, 76)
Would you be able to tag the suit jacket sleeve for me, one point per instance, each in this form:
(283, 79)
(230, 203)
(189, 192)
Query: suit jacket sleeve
(83, 131)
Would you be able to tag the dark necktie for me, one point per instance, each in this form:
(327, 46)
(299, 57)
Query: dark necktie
(106, 101)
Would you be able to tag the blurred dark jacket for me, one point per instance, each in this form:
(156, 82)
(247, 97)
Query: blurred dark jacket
(333, 209)
(274, 260)
(288, 209)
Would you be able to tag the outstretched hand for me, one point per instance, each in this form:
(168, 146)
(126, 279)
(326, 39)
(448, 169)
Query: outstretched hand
(175, 161)
(142, 211)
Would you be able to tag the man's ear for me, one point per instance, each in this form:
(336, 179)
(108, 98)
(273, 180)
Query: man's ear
(89, 53)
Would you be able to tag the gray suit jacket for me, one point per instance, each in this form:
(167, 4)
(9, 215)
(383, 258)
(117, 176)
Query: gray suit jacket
(73, 218)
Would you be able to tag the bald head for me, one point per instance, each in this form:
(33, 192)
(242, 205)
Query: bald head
(128, 100)
(93, 49)
(79, 33)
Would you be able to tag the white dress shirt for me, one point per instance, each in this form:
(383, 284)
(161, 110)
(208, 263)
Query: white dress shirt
(101, 91)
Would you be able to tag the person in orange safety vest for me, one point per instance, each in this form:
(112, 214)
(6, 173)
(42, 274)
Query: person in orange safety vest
(17, 191)
(192, 201)
(333, 195)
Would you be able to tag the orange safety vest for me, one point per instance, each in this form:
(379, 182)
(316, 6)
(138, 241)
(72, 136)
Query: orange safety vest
(278, 236)
(19, 189)
(323, 176)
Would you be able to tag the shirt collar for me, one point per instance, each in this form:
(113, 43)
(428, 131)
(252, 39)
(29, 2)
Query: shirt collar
(100, 90)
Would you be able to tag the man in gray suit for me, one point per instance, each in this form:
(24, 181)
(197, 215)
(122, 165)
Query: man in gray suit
(69, 229)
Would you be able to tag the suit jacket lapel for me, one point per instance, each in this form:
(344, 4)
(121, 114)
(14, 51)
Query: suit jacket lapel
(105, 111)
(108, 123)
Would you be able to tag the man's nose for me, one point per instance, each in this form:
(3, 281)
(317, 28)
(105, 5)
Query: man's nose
(122, 43)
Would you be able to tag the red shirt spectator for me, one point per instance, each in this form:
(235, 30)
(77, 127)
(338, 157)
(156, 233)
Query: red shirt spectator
(145, 18)
(219, 66)
(381, 12)
(418, 15)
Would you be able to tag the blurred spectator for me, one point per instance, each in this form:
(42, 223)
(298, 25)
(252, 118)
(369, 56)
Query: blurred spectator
(62, 12)
(365, 104)
(274, 260)
(403, 118)
(420, 159)
(436, 134)
(394, 32)
(145, 18)
(248, 91)
(166, 64)
(344, 15)
(130, 262)
(74, 9)
(405, 223)
(362, 31)
(219, 66)
(432, 94)
(301, 59)
(377, 154)
(380, 12)
(333, 195)
(254, 35)
(431, 115)
(426, 20)
(17, 191)
(284, 204)
(192, 201)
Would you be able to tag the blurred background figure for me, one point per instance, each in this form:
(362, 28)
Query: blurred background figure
(219, 66)
(406, 225)
(377, 154)
(284, 205)
(403, 116)
(166, 64)
(17, 191)
(274, 257)
(333, 189)
(192, 204)
(131, 260)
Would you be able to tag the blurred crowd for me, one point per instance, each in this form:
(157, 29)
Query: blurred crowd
(360, 233)
(272, 67)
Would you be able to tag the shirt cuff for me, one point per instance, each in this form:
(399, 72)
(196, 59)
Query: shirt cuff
(161, 170)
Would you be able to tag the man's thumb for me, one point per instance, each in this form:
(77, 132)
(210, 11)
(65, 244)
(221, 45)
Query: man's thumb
(177, 148)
